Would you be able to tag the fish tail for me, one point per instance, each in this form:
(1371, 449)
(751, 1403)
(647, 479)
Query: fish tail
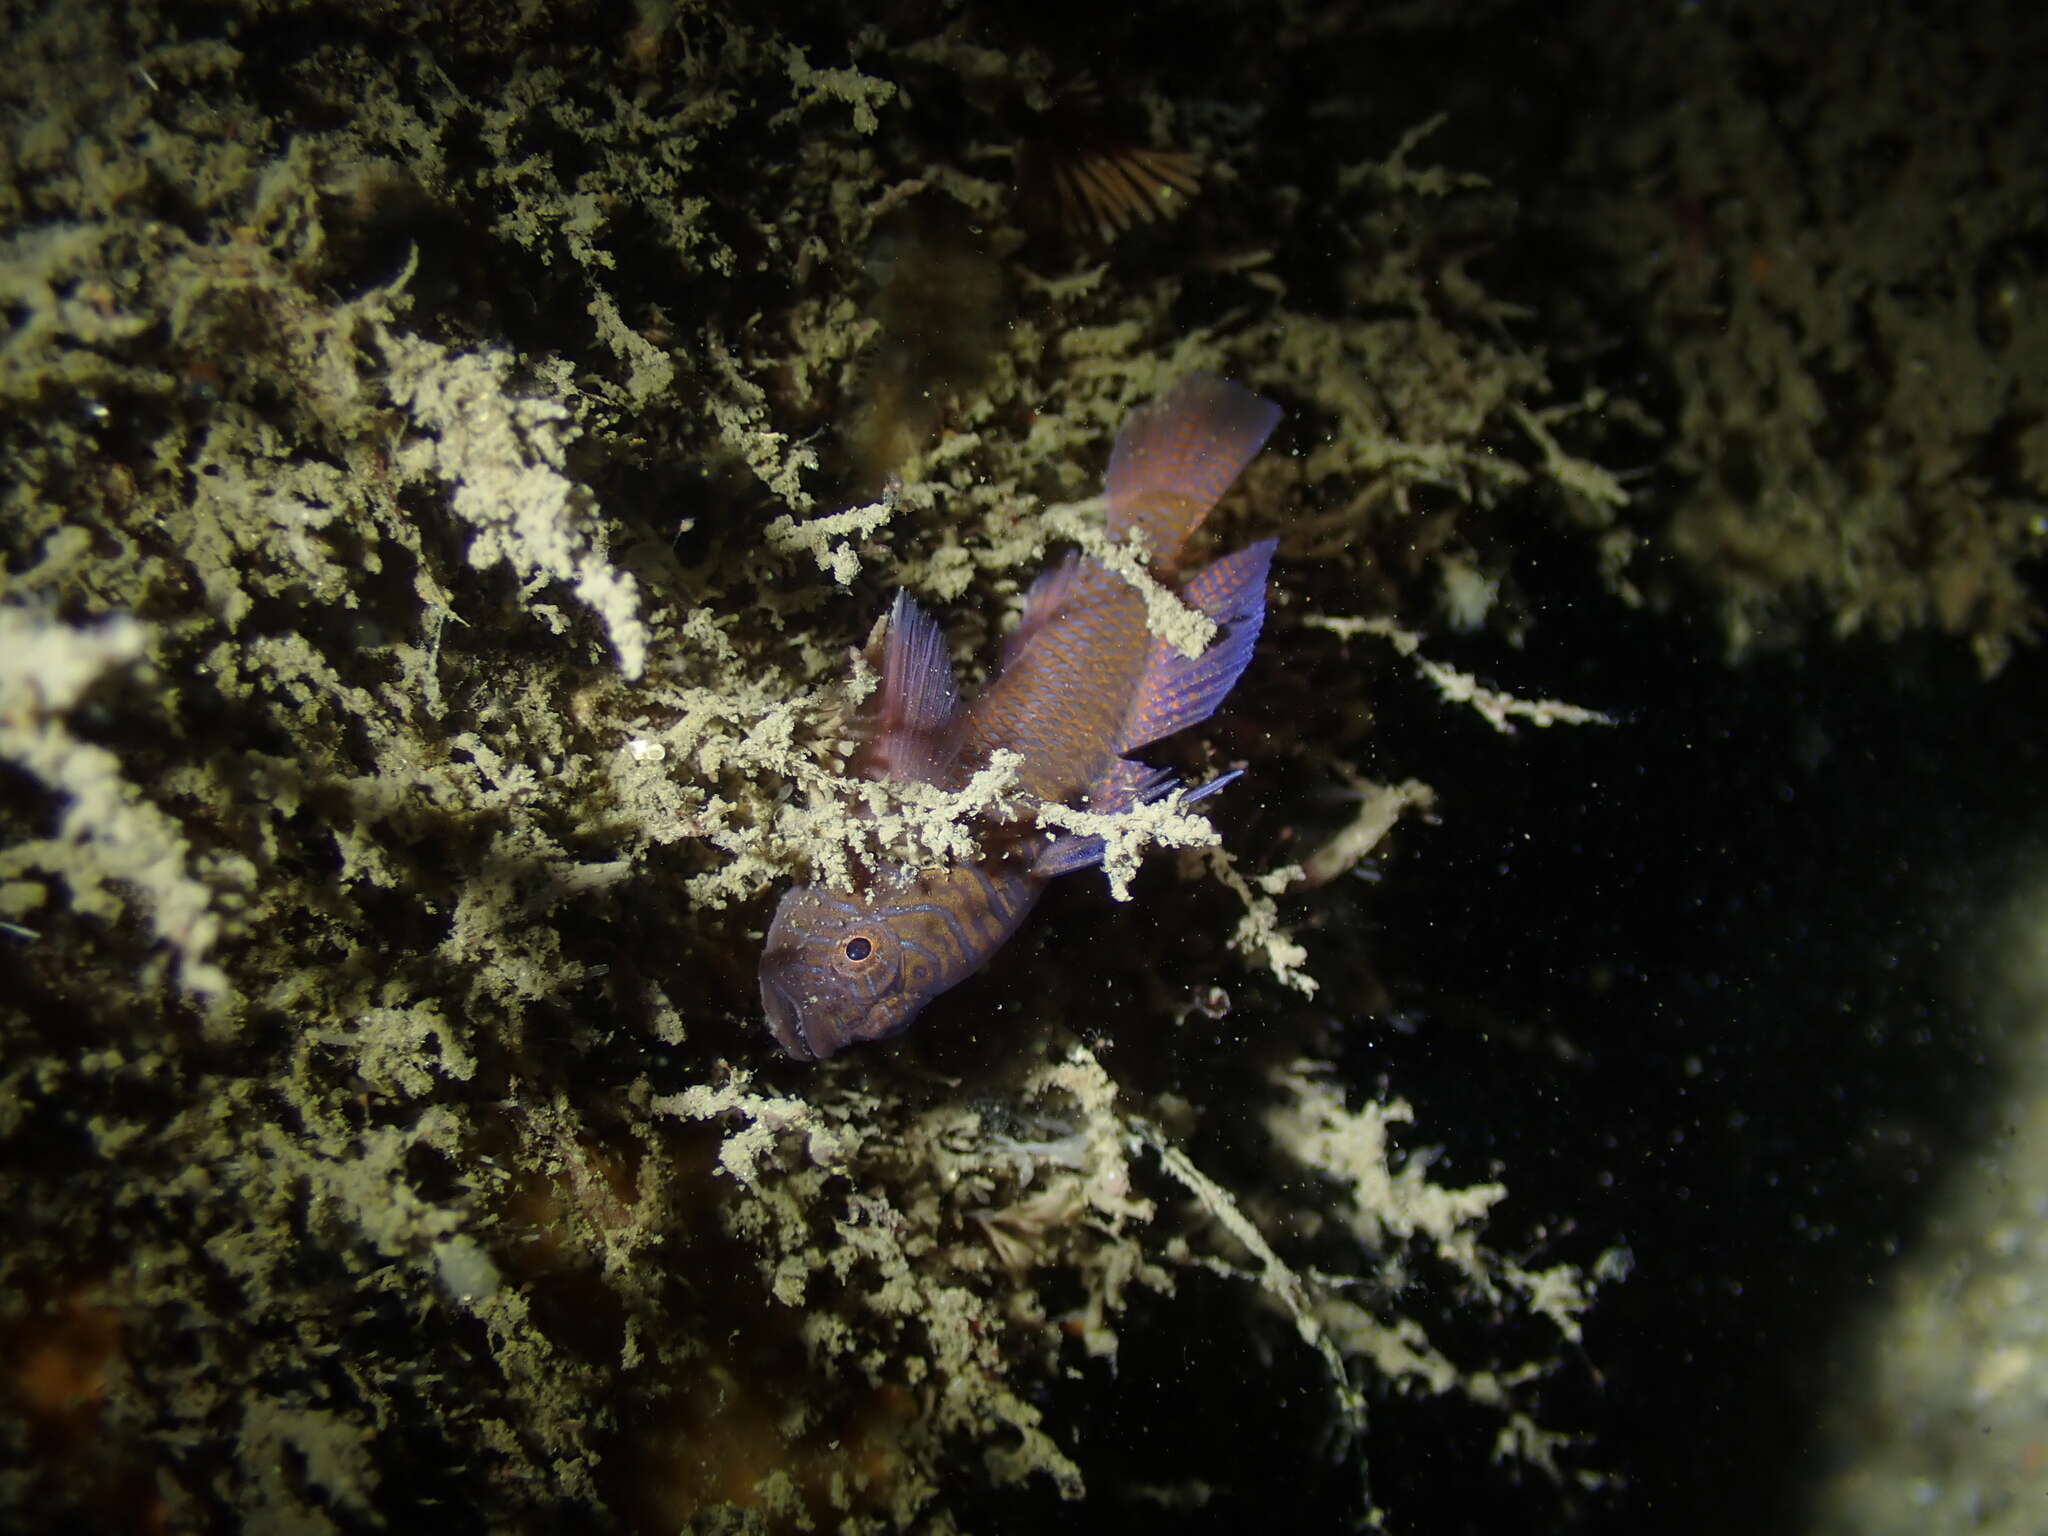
(1175, 459)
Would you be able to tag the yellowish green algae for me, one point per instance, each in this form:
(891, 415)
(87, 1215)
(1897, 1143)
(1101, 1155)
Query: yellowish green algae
(454, 459)
(1839, 269)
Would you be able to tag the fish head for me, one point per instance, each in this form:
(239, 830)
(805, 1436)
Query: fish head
(835, 972)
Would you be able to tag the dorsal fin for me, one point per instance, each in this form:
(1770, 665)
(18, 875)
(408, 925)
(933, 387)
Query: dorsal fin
(1042, 604)
(1177, 457)
(908, 723)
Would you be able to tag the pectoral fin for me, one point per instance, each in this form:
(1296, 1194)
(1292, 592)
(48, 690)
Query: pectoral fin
(1137, 785)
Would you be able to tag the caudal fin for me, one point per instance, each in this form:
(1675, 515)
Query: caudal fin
(1177, 457)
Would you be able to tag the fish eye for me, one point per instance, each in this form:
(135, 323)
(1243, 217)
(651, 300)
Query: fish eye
(858, 948)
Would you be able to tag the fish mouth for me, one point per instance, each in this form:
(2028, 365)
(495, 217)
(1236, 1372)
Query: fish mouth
(786, 1022)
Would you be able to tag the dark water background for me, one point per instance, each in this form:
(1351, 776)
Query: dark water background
(1701, 984)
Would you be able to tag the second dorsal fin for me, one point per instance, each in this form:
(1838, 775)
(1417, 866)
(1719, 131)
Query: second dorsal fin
(1179, 691)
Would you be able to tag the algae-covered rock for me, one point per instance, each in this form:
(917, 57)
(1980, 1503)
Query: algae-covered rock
(454, 457)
